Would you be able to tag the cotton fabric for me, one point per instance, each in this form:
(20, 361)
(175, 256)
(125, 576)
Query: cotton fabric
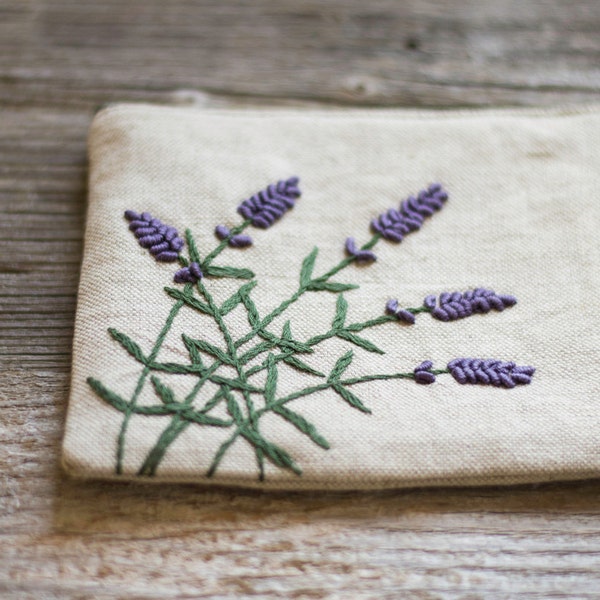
(521, 218)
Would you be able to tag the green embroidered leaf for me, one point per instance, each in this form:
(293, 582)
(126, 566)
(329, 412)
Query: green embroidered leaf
(302, 366)
(164, 392)
(235, 384)
(159, 409)
(183, 261)
(255, 351)
(308, 264)
(128, 344)
(189, 300)
(107, 395)
(303, 425)
(286, 332)
(271, 385)
(359, 341)
(253, 316)
(350, 398)
(234, 300)
(220, 453)
(341, 365)
(192, 249)
(341, 309)
(205, 346)
(330, 286)
(233, 408)
(273, 452)
(286, 344)
(213, 271)
(193, 350)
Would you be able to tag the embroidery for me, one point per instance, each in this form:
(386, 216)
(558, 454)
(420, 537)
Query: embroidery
(162, 241)
(263, 350)
(234, 241)
(453, 305)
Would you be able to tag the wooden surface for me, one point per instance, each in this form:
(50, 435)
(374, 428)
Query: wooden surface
(59, 61)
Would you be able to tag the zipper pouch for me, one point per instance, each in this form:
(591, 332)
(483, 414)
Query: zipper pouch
(338, 299)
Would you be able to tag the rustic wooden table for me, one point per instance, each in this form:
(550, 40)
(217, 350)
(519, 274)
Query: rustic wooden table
(59, 61)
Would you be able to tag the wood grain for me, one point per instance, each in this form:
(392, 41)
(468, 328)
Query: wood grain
(61, 60)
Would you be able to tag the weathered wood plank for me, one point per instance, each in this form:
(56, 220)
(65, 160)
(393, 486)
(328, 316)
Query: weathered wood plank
(61, 60)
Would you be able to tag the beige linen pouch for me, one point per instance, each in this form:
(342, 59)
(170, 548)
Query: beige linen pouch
(168, 394)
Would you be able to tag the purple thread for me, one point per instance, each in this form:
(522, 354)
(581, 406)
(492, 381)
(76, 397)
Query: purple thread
(395, 224)
(360, 256)
(162, 241)
(269, 205)
(392, 308)
(237, 241)
(189, 274)
(423, 374)
(454, 305)
(490, 372)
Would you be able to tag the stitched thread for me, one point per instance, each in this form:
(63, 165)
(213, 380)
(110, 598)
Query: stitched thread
(162, 241)
(395, 224)
(235, 241)
(236, 392)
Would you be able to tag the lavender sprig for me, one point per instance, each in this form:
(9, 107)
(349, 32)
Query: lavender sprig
(269, 205)
(423, 374)
(395, 224)
(454, 305)
(392, 308)
(237, 241)
(161, 240)
(360, 256)
(190, 274)
(490, 372)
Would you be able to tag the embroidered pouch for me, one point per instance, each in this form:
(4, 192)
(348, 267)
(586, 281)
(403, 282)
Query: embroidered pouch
(338, 300)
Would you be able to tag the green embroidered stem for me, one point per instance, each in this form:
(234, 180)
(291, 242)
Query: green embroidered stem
(224, 243)
(348, 260)
(140, 384)
(177, 425)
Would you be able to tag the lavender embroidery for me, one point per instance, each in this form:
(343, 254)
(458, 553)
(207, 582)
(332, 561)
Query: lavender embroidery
(189, 274)
(236, 400)
(395, 224)
(452, 306)
(490, 372)
(361, 256)
(161, 240)
(269, 205)
(235, 241)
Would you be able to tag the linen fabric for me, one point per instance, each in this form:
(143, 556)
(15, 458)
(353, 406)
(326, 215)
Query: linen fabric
(521, 218)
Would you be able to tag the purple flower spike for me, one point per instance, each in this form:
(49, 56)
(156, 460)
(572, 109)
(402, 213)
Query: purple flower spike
(423, 374)
(269, 205)
(452, 306)
(162, 241)
(392, 308)
(490, 372)
(361, 256)
(237, 241)
(189, 274)
(395, 224)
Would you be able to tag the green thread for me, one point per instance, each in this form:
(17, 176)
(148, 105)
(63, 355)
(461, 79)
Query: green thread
(279, 349)
(140, 384)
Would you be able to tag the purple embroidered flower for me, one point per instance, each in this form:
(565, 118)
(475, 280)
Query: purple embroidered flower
(189, 274)
(395, 224)
(237, 241)
(423, 374)
(490, 372)
(392, 308)
(361, 256)
(161, 240)
(454, 305)
(268, 205)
